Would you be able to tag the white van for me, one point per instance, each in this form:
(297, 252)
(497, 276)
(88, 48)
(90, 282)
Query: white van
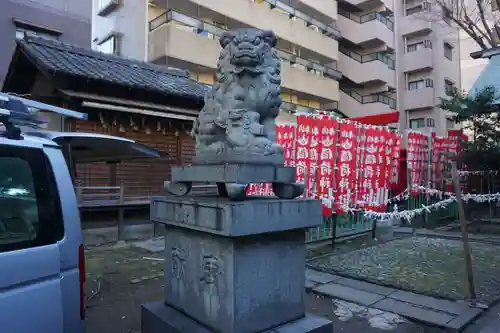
(42, 271)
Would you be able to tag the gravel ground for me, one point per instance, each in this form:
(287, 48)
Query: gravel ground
(119, 280)
(429, 266)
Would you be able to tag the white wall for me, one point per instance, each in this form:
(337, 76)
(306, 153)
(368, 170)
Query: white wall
(471, 68)
(130, 21)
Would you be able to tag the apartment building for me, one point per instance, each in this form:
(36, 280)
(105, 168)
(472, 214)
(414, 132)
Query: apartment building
(184, 34)
(367, 57)
(347, 57)
(428, 63)
(64, 20)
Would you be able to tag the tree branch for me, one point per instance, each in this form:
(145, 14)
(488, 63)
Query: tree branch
(481, 14)
(472, 34)
(462, 19)
(485, 24)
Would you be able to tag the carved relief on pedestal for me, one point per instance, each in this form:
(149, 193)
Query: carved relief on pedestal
(179, 257)
(211, 269)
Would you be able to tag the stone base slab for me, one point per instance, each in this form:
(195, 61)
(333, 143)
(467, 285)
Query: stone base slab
(234, 173)
(224, 217)
(158, 318)
(232, 157)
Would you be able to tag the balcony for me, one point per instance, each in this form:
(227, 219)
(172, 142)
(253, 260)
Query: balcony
(422, 98)
(321, 7)
(373, 67)
(288, 112)
(367, 5)
(419, 59)
(287, 23)
(194, 43)
(419, 23)
(367, 30)
(353, 104)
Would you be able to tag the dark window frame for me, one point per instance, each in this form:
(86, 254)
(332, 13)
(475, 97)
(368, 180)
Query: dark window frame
(420, 123)
(448, 51)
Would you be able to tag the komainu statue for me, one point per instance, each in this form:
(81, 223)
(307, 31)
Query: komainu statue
(237, 123)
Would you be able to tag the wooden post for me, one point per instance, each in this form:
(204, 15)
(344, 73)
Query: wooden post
(463, 229)
(121, 208)
(79, 194)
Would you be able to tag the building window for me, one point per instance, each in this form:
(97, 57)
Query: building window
(21, 32)
(448, 51)
(417, 123)
(418, 45)
(419, 84)
(109, 45)
(448, 86)
(422, 122)
(415, 46)
(31, 213)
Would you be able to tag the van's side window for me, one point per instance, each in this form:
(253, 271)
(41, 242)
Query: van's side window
(30, 211)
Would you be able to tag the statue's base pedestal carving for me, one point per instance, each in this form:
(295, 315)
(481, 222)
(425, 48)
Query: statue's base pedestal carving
(232, 179)
(236, 267)
(221, 216)
(235, 158)
(160, 318)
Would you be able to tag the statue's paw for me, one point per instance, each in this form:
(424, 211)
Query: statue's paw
(235, 192)
(288, 191)
(177, 188)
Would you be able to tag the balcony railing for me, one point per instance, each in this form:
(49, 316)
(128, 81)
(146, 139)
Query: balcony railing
(369, 57)
(297, 108)
(203, 28)
(367, 18)
(328, 30)
(374, 98)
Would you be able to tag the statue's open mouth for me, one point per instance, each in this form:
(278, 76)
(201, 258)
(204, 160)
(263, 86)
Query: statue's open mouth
(246, 57)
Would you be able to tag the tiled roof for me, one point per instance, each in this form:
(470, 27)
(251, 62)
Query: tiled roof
(75, 61)
(490, 76)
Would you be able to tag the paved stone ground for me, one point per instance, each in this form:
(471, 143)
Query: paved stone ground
(120, 279)
(437, 312)
(429, 266)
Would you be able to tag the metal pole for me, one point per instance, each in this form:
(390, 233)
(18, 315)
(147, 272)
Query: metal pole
(463, 229)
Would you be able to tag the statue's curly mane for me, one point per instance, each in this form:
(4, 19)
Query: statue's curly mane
(271, 67)
(248, 78)
(266, 75)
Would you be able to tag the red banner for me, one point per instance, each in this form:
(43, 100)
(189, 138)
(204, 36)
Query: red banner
(314, 152)
(325, 174)
(285, 137)
(345, 175)
(302, 144)
(368, 169)
(414, 157)
(395, 157)
(360, 164)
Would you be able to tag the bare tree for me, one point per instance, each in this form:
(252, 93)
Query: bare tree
(480, 19)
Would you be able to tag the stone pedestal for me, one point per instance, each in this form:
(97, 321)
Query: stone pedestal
(234, 267)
